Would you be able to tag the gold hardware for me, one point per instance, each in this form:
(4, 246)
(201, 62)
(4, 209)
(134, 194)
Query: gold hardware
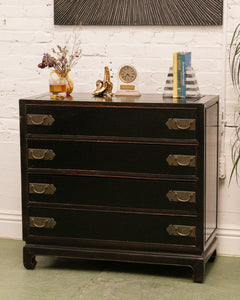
(40, 120)
(182, 230)
(39, 222)
(127, 87)
(181, 124)
(181, 160)
(105, 86)
(41, 154)
(181, 196)
(41, 188)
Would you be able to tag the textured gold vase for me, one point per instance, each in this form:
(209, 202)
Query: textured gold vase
(69, 81)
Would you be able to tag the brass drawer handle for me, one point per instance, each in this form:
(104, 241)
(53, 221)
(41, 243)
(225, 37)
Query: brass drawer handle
(40, 120)
(181, 124)
(41, 188)
(39, 222)
(181, 160)
(41, 154)
(181, 196)
(182, 230)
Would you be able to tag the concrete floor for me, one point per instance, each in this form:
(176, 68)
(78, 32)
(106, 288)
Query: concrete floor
(73, 279)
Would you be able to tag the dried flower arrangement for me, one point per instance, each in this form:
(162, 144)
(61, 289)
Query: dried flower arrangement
(65, 57)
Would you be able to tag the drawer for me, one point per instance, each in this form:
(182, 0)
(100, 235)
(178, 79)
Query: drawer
(113, 192)
(113, 156)
(112, 121)
(147, 228)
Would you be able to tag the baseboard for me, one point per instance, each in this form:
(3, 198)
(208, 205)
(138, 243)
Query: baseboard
(228, 241)
(11, 224)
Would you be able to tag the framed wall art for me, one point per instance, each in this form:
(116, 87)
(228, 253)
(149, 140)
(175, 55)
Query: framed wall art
(138, 12)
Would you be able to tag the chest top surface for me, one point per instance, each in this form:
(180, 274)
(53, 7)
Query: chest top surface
(154, 100)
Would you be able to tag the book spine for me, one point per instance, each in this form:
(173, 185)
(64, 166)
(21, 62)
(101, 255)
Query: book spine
(175, 75)
(179, 74)
(183, 76)
(188, 57)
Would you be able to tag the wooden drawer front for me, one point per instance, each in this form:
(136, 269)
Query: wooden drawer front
(112, 192)
(112, 121)
(112, 156)
(146, 228)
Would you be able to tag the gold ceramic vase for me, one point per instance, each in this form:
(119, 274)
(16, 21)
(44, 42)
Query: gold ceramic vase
(69, 81)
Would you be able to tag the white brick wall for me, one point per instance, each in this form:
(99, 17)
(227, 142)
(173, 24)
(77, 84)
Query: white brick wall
(27, 31)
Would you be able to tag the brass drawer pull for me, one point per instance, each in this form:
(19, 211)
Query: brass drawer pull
(41, 188)
(40, 120)
(181, 124)
(181, 196)
(181, 160)
(182, 230)
(41, 154)
(39, 222)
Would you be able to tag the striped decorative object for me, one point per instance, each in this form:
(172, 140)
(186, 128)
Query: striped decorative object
(192, 89)
(138, 12)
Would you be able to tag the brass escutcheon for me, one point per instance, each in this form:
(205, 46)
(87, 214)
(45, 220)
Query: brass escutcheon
(40, 120)
(41, 188)
(40, 222)
(41, 154)
(181, 160)
(182, 196)
(182, 230)
(181, 124)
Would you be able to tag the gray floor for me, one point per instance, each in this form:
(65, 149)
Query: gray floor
(73, 279)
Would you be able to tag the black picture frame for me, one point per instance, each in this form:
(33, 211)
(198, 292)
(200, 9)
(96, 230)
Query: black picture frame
(139, 12)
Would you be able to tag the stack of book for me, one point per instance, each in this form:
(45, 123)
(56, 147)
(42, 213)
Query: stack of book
(181, 61)
(181, 81)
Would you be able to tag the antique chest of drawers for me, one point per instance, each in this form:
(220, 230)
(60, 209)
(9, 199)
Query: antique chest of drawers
(121, 179)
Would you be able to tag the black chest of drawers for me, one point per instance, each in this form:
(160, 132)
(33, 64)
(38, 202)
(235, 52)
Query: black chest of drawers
(127, 179)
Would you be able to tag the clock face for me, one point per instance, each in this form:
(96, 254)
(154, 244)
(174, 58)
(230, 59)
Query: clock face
(127, 74)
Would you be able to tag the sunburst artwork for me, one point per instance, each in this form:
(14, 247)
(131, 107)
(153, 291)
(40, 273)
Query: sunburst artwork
(138, 12)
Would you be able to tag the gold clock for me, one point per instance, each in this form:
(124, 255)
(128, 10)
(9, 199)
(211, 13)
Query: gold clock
(127, 81)
(127, 74)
